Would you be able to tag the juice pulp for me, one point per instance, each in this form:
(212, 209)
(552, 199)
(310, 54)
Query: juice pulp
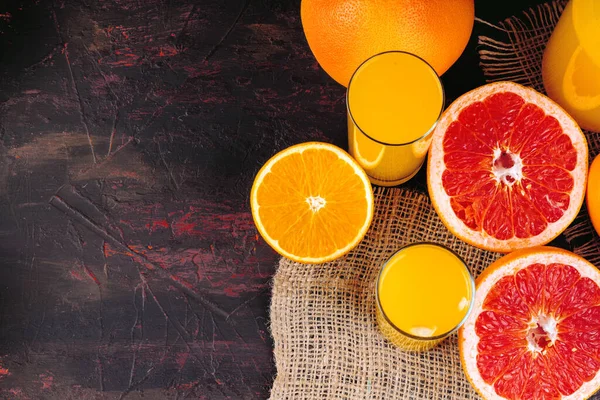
(426, 291)
(571, 63)
(394, 101)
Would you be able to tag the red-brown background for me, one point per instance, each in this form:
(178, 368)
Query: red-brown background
(130, 132)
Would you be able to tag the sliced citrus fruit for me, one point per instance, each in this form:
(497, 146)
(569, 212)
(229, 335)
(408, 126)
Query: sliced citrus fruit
(507, 168)
(581, 85)
(593, 194)
(534, 331)
(312, 202)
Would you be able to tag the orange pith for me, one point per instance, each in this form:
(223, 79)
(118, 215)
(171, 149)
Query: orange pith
(534, 332)
(507, 168)
(312, 203)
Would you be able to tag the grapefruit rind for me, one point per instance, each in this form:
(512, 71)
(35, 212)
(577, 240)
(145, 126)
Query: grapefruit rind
(436, 166)
(510, 265)
(299, 148)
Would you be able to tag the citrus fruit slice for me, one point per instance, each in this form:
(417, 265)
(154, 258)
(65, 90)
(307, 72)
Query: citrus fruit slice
(312, 202)
(593, 194)
(581, 84)
(534, 331)
(507, 168)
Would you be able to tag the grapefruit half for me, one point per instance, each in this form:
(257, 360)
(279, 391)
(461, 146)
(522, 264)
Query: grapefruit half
(534, 331)
(507, 168)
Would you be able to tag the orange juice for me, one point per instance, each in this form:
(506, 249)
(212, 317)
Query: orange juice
(394, 101)
(424, 293)
(571, 63)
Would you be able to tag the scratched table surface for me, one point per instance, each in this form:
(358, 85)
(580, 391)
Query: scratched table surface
(130, 133)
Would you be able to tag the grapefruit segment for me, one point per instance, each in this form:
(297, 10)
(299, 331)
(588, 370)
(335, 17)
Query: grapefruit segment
(455, 181)
(584, 294)
(507, 168)
(459, 138)
(559, 152)
(490, 322)
(559, 280)
(537, 134)
(511, 382)
(504, 109)
(534, 332)
(498, 344)
(506, 299)
(526, 127)
(539, 384)
(465, 161)
(551, 204)
(566, 377)
(471, 207)
(586, 320)
(581, 363)
(527, 219)
(498, 220)
(477, 119)
(551, 177)
(493, 365)
(587, 341)
(530, 283)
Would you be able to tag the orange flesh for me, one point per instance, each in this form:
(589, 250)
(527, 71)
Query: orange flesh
(330, 185)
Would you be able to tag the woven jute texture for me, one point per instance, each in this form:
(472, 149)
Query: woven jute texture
(514, 51)
(327, 345)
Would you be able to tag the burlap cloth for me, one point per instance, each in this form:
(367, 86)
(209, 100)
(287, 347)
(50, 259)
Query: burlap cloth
(326, 343)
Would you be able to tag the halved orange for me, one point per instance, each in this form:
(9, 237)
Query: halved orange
(507, 168)
(534, 330)
(312, 203)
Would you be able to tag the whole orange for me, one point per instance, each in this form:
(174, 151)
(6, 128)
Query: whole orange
(344, 33)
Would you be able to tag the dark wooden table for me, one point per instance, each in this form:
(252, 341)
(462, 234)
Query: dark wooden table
(130, 133)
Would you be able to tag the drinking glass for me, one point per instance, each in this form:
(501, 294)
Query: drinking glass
(424, 293)
(394, 101)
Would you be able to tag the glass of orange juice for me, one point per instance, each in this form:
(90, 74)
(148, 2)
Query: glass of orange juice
(394, 101)
(571, 63)
(424, 293)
